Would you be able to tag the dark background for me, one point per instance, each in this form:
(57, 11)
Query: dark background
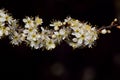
(22, 63)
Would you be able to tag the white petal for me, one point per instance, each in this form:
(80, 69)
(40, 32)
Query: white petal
(27, 26)
(80, 41)
(6, 32)
(2, 19)
(2, 14)
(24, 20)
(62, 32)
(1, 33)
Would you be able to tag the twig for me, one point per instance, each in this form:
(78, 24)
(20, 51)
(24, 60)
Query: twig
(113, 24)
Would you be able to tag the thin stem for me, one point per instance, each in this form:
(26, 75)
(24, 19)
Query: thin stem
(113, 24)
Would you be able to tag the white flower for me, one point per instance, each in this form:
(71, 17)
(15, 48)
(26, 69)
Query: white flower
(73, 23)
(38, 21)
(45, 33)
(30, 31)
(58, 37)
(5, 17)
(33, 37)
(50, 44)
(15, 38)
(28, 22)
(56, 25)
(9, 19)
(6, 31)
(14, 24)
(35, 44)
(74, 45)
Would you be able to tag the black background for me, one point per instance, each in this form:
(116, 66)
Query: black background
(22, 63)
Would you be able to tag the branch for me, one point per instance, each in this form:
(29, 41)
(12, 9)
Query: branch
(113, 24)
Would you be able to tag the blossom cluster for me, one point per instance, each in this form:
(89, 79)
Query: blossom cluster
(77, 34)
